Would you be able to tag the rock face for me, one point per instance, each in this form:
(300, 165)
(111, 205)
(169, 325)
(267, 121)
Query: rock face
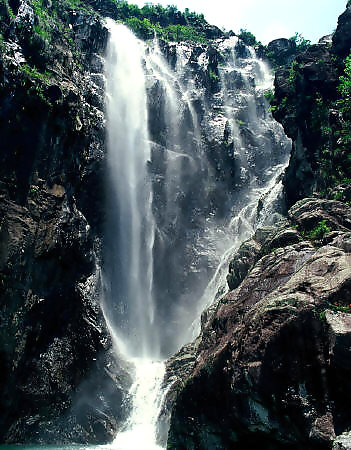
(282, 51)
(60, 381)
(307, 104)
(342, 35)
(269, 368)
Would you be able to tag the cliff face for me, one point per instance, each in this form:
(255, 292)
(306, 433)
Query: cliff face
(53, 336)
(308, 104)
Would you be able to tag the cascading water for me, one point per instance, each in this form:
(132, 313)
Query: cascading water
(131, 220)
(128, 297)
(188, 148)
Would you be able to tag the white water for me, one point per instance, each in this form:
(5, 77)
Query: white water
(129, 282)
(140, 429)
(132, 226)
(128, 153)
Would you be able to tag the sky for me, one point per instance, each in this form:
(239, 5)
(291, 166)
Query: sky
(267, 19)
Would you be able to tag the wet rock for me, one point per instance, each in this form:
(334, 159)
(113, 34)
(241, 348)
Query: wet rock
(56, 352)
(242, 262)
(277, 349)
(322, 431)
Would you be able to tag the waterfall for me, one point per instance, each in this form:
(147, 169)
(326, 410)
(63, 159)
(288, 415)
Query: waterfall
(128, 298)
(194, 168)
(131, 225)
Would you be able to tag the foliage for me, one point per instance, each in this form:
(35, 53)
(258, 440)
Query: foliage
(33, 73)
(168, 23)
(293, 74)
(183, 33)
(269, 96)
(6, 8)
(157, 14)
(39, 80)
(340, 307)
(319, 231)
(247, 37)
(302, 44)
(344, 87)
(144, 29)
(213, 75)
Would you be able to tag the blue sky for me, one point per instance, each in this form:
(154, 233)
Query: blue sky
(267, 19)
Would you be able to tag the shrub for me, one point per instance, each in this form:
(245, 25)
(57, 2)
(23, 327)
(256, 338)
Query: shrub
(319, 231)
(302, 44)
(344, 87)
(247, 37)
(269, 96)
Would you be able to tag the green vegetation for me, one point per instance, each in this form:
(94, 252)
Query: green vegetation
(344, 88)
(213, 75)
(319, 231)
(269, 96)
(247, 37)
(335, 306)
(39, 81)
(144, 29)
(168, 23)
(302, 44)
(33, 72)
(293, 74)
(157, 14)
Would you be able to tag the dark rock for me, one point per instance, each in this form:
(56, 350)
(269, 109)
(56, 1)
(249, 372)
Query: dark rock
(242, 262)
(62, 381)
(283, 50)
(340, 338)
(313, 71)
(53, 93)
(342, 35)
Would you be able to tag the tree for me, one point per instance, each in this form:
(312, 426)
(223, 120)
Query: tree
(301, 43)
(247, 37)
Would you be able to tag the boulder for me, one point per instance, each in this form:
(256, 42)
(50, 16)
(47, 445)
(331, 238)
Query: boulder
(282, 50)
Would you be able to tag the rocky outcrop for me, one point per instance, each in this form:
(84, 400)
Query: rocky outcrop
(269, 368)
(301, 113)
(281, 51)
(342, 35)
(307, 104)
